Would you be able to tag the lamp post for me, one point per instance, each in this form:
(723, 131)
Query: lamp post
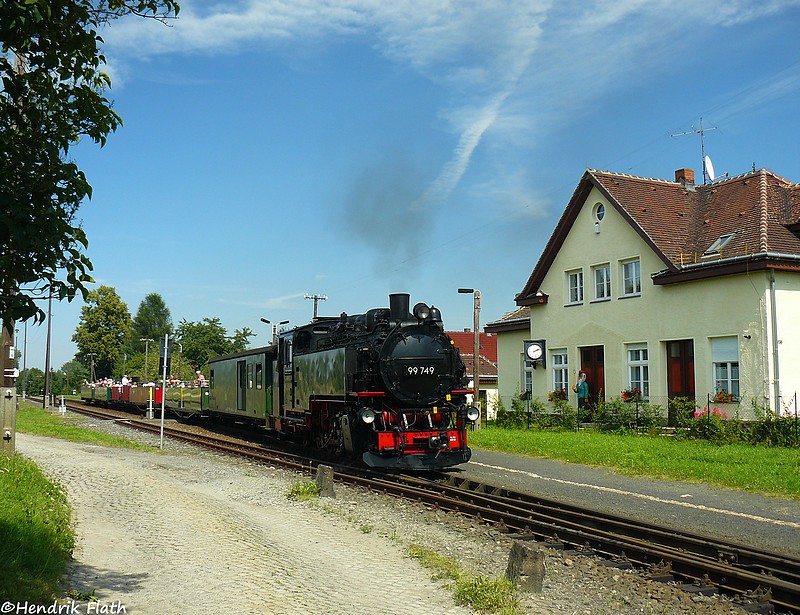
(476, 361)
(275, 327)
(146, 341)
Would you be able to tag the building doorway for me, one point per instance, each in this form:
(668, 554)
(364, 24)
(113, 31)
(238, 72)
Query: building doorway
(593, 363)
(680, 373)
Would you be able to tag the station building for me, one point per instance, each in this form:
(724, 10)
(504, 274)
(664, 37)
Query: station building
(669, 288)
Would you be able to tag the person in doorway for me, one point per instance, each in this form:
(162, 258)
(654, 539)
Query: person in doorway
(582, 389)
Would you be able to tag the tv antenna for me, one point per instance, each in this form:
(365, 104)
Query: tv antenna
(702, 132)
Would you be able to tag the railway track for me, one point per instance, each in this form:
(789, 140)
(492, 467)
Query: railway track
(759, 580)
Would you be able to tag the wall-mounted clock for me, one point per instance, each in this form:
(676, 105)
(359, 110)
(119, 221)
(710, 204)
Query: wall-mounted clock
(534, 352)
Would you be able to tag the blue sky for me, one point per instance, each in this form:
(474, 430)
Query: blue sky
(354, 148)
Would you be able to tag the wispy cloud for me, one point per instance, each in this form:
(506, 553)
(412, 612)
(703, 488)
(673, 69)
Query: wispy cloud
(511, 68)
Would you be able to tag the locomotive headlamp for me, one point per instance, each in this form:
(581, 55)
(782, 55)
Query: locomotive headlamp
(473, 413)
(367, 415)
(422, 311)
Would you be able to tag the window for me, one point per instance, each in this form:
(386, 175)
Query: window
(638, 369)
(721, 242)
(631, 278)
(575, 286)
(249, 375)
(602, 281)
(599, 212)
(725, 365)
(259, 376)
(560, 370)
(527, 375)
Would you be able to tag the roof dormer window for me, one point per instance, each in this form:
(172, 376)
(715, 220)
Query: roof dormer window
(715, 248)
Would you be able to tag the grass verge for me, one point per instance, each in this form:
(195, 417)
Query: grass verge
(39, 422)
(768, 470)
(484, 595)
(36, 539)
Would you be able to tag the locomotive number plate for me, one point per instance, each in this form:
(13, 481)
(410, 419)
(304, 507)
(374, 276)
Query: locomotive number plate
(415, 370)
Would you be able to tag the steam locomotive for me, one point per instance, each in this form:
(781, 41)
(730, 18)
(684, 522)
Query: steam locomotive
(387, 386)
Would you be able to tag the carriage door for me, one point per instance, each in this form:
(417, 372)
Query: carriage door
(241, 384)
(593, 363)
(287, 375)
(680, 368)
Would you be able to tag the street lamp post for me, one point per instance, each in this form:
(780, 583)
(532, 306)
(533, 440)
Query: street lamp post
(275, 327)
(146, 341)
(476, 350)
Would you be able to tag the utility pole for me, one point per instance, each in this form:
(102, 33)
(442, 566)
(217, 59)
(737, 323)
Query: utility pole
(317, 299)
(8, 393)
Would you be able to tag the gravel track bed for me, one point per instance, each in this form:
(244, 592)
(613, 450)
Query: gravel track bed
(192, 531)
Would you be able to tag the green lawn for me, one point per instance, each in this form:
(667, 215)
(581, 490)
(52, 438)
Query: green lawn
(773, 471)
(39, 422)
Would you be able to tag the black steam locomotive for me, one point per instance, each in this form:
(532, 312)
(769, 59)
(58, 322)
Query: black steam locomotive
(387, 386)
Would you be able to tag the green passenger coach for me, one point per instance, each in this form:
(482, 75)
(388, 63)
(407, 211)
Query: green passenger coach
(241, 385)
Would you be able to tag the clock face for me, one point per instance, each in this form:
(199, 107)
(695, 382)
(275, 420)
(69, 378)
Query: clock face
(534, 352)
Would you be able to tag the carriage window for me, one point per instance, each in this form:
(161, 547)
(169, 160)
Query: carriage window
(287, 356)
(249, 375)
(259, 376)
(211, 379)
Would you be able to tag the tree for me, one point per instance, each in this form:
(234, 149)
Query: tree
(208, 338)
(103, 328)
(51, 96)
(152, 321)
(74, 373)
(33, 380)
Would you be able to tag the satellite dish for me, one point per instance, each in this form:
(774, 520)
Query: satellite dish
(709, 168)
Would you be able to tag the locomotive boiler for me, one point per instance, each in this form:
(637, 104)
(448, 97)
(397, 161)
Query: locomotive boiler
(386, 386)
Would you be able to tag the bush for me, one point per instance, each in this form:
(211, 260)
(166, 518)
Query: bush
(715, 426)
(773, 430)
(615, 415)
(680, 411)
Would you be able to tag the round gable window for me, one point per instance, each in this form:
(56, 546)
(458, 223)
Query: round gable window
(599, 212)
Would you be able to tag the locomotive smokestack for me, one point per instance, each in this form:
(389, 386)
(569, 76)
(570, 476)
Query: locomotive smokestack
(398, 306)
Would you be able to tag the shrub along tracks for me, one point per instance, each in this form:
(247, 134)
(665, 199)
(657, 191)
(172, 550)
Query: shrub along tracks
(760, 580)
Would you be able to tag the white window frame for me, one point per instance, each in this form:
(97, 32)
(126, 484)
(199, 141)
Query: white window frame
(559, 360)
(527, 374)
(725, 365)
(601, 275)
(631, 277)
(575, 287)
(638, 368)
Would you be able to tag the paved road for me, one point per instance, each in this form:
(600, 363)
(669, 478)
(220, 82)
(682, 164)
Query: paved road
(756, 520)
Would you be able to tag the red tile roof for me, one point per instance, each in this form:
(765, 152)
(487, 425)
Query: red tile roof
(465, 342)
(681, 221)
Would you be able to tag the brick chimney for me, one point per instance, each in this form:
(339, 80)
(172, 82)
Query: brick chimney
(685, 176)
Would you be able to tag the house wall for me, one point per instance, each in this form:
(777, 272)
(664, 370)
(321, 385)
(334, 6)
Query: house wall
(787, 303)
(509, 364)
(697, 310)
